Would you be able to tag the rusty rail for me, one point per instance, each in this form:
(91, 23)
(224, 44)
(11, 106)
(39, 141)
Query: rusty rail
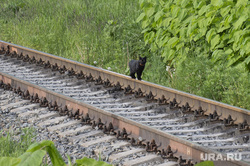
(184, 147)
(147, 87)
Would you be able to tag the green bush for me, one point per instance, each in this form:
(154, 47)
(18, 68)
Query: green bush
(206, 42)
(215, 28)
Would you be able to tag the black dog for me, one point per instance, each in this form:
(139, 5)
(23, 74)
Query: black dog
(137, 66)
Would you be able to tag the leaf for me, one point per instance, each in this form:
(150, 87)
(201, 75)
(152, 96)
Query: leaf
(145, 4)
(195, 3)
(159, 33)
(236, 46)
(197, 36)
(203, 31)
(163, 41)
(50, 148)
(201, 22)
(220, 45)
(166, 21)
(247, 60)
(158, 15)
(145, 23)
(175, 11)
(69, 160)
(184, 3)
(151, 36)
(242, 52)
(228, 20)
(202, 10)
(192, 28)
(234, 60)
(205, 163)
(32, 158)
(150, 11)
(224, 11)
(211, 13)
(90, 162)
(173, 41)
(180, 45)
(210, 34)
(222, 27)
(174, 26)
(237, 35)
(241, 3)
(171, 54)
(215, 41)
(201, 3)
(142, 15)
(182, 14)
(183, 33)
(161, 2)
(228, 51)
(239, 22)
(146, 30)
(188, 20)
(217, 3)
(246, 41)
(9, 161)
(217, 54)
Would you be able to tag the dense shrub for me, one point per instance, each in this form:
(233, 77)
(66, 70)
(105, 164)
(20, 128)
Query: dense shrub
(214, 28)
(207, 43)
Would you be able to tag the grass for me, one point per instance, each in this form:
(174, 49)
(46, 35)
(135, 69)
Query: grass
(105, 32)
(12, 145)
(84, 31)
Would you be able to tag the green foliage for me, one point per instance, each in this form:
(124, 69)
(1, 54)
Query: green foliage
(69, 160)
(35, 158)
(36, 152)
(86, 31)
(176, 27)
(205, 163)
(13, 146)
(154, 63)
(50, 148)
(90, 162)
(9, 161)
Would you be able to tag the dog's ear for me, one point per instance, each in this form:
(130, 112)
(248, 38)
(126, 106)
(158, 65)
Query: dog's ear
(140, 58)
(145, 58)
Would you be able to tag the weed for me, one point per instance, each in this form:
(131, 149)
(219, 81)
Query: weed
(12, 145)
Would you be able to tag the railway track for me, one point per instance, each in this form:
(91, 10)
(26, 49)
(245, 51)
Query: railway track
(73, 137)
(145, 114)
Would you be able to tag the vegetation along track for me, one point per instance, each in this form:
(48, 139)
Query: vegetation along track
(189, 124)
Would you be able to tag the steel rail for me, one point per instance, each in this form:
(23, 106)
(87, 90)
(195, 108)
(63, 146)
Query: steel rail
(210, 106)
(183, 147)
